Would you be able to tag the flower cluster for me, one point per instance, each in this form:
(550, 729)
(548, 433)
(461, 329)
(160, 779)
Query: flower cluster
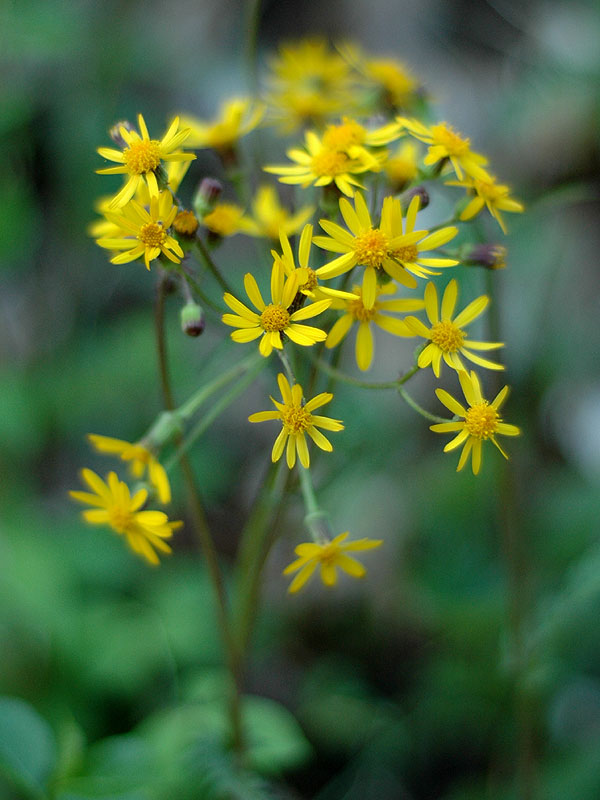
(377, 261)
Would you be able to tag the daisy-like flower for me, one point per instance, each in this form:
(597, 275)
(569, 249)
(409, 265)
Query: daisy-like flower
(235, 119)
(140, 460)
(480, 421)
(385, 248)
(227, 219)
(269, 217)
(297, 419)
(319, 165)
(401, 167)
(274, 319)
(445, 143)
(447, 335)
(145, 232)
(353, 138)
(112, 504)
(494, 196)
(389, 77)
(142, 157)
(356, 313)
(329, 556)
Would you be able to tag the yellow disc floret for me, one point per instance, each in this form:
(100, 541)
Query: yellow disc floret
(142, 156)
(119, 518)
(447, 336)
(359, 312)
(371, 248)
(444, 135)
(482, 420)
(274, 318)
(152, 234)
(341, 137)
(296, 419)
(409, 252)
(329, 163)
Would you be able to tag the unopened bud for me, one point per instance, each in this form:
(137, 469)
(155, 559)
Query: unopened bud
(115, 133)
(490, 256)
(206, 196)
(416, 191)
(192, 319)
(185, 223)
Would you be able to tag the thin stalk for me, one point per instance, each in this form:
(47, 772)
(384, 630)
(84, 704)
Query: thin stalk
(193, 404)
(210, 264)
(316, 520)
(253, 13)
(203, 532)
(419, 409)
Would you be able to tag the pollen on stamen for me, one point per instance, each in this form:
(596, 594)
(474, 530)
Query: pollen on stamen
(482, 420)
(152, 234)
(274, 318)
(296, 419)
(143, 156)
(447, 336)
(371, 248)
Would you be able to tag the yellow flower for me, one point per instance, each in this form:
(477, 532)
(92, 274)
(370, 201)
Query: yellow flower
(308, 84)
(320, 165)
(227, 219)
(393, 81)
(446, 335)
(145, 232)
(488, 193)
(274, 319)
(142, 157)
(385, 248)
(445, 143)
(235, 119)
(113, 505)
(140, 458)
(353, 138)
(297, 420)
(480, 421)
(401, 167)
(269, 217)
(357, 313)
(328, 556)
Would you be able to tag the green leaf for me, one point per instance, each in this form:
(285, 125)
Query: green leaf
(27, 747)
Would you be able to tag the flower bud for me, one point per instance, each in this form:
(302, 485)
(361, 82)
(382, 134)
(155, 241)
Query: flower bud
(490, 256)
(416, 191)
(206, 196)
(185, 223)
(115, 133)
(192, 319)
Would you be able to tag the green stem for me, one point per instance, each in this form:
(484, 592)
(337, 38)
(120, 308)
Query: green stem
(193, 404)
(210, 264)
(253, 13)
(341, 376)
(416, 407)
(316, 520)
(287, 366)
(189, 281)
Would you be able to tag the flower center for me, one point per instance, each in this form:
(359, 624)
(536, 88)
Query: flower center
(408, 253)
(371, 248)
(329, 162)
(152, 234)
(296, 418)
(488, 190)
(185, 223)
(329, 553)
(341, 137)
(447, 336)
(454, 144)
(482, 420)
(142, 156)
(358, 311)
(119, 519)
(274, 318)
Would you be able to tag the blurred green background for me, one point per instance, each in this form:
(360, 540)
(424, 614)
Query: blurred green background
(467, 665)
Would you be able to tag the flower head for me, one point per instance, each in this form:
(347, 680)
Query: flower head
(145, 232)
(447, 337)
(269, 217)
(236, 118)
(142, 157)
(227, 219)
(480, 421)
(274, 319)
(385, 248)
(356, 313)
(140, 460)
(113, 505)
(494, 196)
(329, 556)
(297, 419)
(321, 165)
(445, 143)
(401, 166)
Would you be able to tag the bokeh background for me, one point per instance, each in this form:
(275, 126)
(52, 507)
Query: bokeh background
(467, 665)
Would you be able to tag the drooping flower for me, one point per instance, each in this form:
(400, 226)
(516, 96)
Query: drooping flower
(112, 504)
(445, 143)
(269, 217)
(447, 337)
(227, 219)
(237, 117)
(146, 233)
(297, 419)
(328, 556)
(142, 157)
(140, 460)
(494, 196)
(356, 313)
(480, 421)
(320, 165)
(385, 248)
(274, 319)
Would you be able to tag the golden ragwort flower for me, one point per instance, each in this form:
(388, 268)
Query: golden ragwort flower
(445, 143)
(269, 217)
(140, 460)
(495, 196)
(237, 117)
